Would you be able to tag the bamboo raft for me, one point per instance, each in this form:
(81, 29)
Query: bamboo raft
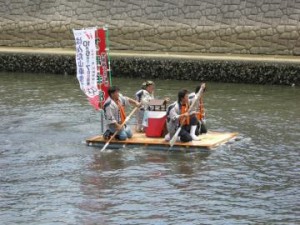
(207, 141)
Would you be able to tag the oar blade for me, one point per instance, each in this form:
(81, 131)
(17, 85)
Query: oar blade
(174, 138)
(104, 147)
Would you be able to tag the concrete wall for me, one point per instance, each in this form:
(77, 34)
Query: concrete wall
(205, 26)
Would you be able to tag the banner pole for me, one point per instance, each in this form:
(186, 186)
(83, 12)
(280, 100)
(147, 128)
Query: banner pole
(108, 51)
(98, 65)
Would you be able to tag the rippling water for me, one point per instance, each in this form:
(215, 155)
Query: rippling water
(49, 175)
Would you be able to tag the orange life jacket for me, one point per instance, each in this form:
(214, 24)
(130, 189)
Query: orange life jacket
(201, 113)
(122, 111)
(184, 120)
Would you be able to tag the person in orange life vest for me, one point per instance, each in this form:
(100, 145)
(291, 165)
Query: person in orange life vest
(201, 127)
(114, 110)
(177, 114)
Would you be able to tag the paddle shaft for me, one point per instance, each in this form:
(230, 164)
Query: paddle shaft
(122, 125)
(102, 120)
(198, 95)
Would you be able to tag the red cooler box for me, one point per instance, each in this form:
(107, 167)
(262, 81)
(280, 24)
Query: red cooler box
(156, 123)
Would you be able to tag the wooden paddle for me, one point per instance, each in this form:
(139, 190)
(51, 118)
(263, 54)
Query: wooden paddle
(198, 95)
(122, 125)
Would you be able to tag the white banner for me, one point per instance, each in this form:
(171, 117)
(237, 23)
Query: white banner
(86, 61)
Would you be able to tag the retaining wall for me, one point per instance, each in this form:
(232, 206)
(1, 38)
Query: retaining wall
(206, 26)
(234, 71)
(269, 27)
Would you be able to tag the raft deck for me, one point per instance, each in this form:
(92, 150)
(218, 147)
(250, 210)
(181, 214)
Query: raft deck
(207, 142)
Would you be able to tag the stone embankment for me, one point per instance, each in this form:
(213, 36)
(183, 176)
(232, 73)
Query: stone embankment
(254, 69)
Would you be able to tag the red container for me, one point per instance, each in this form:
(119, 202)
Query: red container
(156, 123)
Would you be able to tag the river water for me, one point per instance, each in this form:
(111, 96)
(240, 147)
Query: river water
(49, 175)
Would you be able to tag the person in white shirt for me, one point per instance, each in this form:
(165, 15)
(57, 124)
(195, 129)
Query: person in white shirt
(144, 96)
(114, 111)
(178, 114)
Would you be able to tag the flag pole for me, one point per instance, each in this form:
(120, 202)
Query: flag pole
(108, 52)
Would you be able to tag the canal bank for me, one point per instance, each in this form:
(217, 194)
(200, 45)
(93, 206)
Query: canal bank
(255, 69)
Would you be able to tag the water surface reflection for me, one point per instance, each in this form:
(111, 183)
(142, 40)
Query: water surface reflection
(49, 176)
